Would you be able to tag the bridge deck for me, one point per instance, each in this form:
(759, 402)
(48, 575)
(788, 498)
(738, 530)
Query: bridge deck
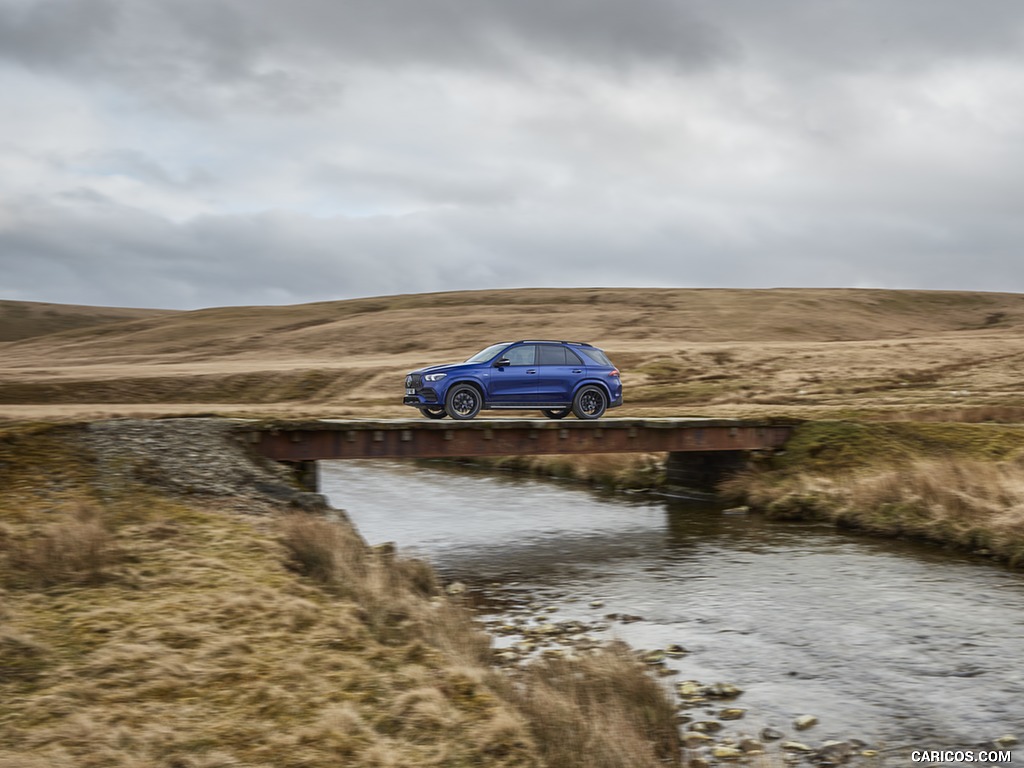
(422, 438)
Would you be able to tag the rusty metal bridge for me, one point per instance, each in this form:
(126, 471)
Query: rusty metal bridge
(700, 450)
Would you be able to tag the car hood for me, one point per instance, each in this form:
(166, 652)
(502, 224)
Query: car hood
(446, 368)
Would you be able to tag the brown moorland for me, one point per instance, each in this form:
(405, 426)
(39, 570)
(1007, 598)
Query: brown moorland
(159, 612)
(717, 352)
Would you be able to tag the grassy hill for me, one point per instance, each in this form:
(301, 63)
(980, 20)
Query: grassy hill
(710, 351)
(28, 319)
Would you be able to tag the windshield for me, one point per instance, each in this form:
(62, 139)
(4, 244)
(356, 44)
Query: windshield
(486, 354)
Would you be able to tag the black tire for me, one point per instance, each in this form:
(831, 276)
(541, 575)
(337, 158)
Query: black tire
(437, 412)
(463, 402)
(557, 413)
(590, 403)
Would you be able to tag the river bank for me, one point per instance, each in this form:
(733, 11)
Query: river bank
(167, 601)
(955, 485)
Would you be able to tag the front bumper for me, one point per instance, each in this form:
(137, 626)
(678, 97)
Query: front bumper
(422, 397)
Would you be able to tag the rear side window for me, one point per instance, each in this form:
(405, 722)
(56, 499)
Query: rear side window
(597, 356)
(550, 354)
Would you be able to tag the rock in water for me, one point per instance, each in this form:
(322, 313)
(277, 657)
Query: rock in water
(731, 714)
(804, 722)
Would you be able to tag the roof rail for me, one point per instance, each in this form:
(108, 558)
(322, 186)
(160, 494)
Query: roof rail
(551, 341)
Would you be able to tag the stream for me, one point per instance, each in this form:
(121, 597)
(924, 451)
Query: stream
(899, 644)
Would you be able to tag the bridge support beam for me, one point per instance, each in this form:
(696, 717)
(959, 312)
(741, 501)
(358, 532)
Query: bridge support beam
(306, 474)
(703, 470)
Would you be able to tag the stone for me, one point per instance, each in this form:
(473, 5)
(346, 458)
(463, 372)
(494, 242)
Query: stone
(750, 744)
(833, 753)
(732, 713)
(653, 657)
(694, 739)
(804, 722)
(676, 651)
(771, 734)
(726, 753)
(689, 688)
(597, 603)
(699, 762)
(1008, 740)
(795, 746)
(455, 588)
(724, 691)
(706, 726)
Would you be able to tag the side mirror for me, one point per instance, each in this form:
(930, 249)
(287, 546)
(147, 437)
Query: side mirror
(504, 362)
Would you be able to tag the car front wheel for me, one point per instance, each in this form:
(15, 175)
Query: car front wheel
(463, 402)
(434, 413)
(590, 403)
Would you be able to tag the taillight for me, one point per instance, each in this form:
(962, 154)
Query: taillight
(615, 372)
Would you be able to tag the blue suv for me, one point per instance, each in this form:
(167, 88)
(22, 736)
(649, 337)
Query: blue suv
(554, 377)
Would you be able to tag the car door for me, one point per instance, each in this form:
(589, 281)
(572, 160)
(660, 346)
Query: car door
(559, 370)
(515, 383)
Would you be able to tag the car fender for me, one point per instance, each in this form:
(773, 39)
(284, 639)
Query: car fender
(466, 378)
(581, 384)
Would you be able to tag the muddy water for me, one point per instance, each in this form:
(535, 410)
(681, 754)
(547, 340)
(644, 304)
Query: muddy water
(897, 644)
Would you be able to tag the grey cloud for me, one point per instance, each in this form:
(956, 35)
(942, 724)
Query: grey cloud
(120, 256)
(855, 36)
(494, 143)
(263, 43)
(55, 33)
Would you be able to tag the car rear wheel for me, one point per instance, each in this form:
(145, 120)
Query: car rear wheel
(463, 402)
(590, 403)
(556, 413)
(434, 413)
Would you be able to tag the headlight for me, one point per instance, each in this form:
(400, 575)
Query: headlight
(434, 376)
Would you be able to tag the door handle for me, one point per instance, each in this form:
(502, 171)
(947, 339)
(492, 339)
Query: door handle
(577, 370)
(532, 370)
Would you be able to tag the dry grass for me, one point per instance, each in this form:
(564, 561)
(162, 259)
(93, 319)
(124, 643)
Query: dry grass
(145, 632)
(598, 712)
(76, 549)
(968, 503)
(804, 352)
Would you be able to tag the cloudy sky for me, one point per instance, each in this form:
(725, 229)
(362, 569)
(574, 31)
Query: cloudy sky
(188, 153)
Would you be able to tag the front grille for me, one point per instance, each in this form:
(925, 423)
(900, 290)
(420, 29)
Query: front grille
(414, 381)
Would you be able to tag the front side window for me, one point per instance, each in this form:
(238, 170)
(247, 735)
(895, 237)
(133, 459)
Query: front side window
(524, 355)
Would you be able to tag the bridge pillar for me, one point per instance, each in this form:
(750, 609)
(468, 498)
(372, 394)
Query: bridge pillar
(703, 470)
(306, 474)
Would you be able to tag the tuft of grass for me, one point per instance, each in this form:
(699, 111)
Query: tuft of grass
(601, 711)
(322, 550)
(969, 503)
(77, 549)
